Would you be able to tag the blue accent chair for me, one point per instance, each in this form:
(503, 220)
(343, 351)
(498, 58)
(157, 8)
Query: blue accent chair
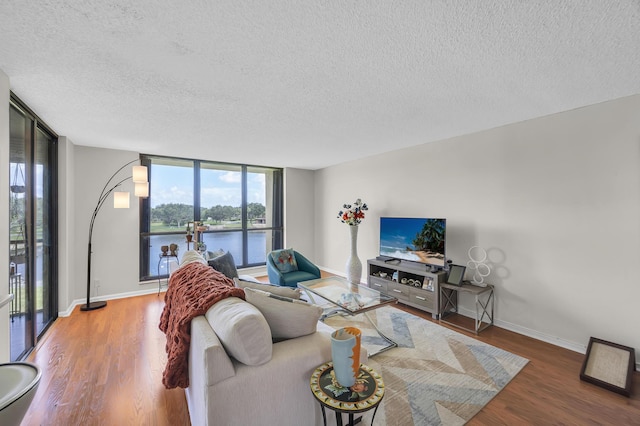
(306, 271)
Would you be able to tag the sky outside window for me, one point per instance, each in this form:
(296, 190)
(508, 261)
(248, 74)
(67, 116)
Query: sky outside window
(174, 184)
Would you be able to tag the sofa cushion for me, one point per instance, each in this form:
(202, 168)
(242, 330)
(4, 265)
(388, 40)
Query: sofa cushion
(242, 329)
(285, 260)
(293, 293)
(192, 256)
(224, 264)
(213, 254)
(288, 318)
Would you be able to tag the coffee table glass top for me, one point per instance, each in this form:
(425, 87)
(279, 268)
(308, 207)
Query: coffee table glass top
(353, 298)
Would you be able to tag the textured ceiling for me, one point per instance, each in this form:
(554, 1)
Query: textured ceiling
(309, 84)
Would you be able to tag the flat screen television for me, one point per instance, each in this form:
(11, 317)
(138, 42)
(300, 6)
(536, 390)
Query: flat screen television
(419, 240)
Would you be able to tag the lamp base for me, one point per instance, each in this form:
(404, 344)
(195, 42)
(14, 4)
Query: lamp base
(93, 306)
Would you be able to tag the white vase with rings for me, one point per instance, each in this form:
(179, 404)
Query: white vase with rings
(354, 266)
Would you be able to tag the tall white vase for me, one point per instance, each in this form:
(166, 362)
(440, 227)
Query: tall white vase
(354, 266)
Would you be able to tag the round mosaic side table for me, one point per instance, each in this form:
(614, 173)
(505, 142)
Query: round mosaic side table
(364, 395)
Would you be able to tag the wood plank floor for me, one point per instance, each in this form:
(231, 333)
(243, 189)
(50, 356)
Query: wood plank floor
(105, 367)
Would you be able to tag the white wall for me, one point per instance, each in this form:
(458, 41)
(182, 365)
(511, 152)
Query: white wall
(5, 355)
(115, 243)
(555, 201)
(299, 212)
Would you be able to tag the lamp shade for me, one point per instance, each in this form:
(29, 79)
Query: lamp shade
(142, 189)
(140, 174)
(121, 200)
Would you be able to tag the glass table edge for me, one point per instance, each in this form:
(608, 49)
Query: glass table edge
(387, 299)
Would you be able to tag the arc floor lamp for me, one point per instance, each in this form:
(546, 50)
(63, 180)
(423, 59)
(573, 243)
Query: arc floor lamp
(120, 201)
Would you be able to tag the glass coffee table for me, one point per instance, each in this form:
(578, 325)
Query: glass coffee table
(350, 299)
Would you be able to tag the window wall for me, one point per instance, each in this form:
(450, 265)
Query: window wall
(238, 209)
(32, 228)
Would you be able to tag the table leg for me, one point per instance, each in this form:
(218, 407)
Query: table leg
(391, 344)
(352, 422)
(448, 301)
(374, 414)
(484, 307)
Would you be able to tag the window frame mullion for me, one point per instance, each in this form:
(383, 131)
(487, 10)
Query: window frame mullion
(197, 196)
(245, 234)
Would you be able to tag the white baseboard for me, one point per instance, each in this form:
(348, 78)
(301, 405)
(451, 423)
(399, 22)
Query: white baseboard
(556, 341)
(334, 272)
(107, 297)
(255, 272)
(547, 338)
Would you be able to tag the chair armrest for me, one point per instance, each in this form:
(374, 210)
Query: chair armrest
(305, 264)
(275, 276)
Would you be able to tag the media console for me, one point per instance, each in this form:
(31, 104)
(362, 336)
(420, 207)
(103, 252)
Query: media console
(411, 283)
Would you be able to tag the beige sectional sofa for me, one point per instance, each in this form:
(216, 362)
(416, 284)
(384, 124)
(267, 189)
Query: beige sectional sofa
(223, 391)
(250, 361)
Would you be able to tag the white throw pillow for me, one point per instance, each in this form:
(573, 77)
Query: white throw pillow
(293, 293)
(242, 329)
(288, 318)
(192, 256)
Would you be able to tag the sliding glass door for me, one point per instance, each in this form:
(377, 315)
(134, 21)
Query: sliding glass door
(32, 229)
(45, 231)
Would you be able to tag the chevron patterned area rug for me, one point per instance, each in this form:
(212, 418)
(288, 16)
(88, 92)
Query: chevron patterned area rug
(435, 376)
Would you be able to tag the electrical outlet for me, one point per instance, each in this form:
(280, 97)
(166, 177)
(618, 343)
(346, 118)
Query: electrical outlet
(96, 283)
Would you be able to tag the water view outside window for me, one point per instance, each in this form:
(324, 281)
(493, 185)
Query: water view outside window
(239, 207)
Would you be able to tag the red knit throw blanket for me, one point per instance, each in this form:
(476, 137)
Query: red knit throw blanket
(192, 290)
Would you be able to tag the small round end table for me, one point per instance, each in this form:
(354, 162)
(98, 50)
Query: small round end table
(364, 395)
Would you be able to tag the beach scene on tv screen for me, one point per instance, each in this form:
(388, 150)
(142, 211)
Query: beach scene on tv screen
(417, 240)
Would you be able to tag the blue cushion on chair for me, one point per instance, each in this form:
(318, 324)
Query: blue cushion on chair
(285, 260)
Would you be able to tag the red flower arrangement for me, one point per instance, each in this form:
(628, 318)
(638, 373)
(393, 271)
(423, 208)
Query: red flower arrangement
(353, 214)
